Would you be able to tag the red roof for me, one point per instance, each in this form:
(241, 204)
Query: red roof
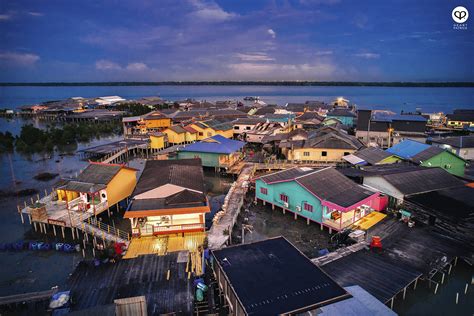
(190, 129)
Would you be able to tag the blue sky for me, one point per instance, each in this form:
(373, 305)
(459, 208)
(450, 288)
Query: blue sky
(234, 40)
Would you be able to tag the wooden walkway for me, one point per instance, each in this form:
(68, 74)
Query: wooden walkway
(27, 297)
(221, 229)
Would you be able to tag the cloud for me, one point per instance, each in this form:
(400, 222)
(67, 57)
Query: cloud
(254, 57)
(272, 33)
(211, 12)
(38, 14)
(5, 17)
(106, 65)
(367, 55)
(23, 59)
(282, 71)
(324, 53)
(137, 67)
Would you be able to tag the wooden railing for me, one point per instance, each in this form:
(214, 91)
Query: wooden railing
(108, 229)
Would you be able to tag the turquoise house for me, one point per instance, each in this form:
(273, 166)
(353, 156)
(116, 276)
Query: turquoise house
(345, 116)
(216, 151)
(324, 196)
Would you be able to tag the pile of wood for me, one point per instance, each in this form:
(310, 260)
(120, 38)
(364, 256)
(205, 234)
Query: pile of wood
(38, 213)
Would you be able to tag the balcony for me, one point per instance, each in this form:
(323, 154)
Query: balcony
(149, 230)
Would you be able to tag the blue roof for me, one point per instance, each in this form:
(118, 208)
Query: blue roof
(215, 144)
(407, 148)
(361, 303)
(384, 117)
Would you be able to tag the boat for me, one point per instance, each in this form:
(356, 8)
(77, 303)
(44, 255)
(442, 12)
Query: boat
(251, 98)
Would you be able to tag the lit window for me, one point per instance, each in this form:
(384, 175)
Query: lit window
(307, 207)
(264, 191)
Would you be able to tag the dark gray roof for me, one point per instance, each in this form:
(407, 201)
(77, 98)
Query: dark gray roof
(181, 199)
(341, 112)
(331, 140)
(249, 120)
(426, 154)
(98, 173)
(84, 187)
(286, 175)
(422, 180)
(272, 277)
(372, 155)
(177, 129)
(184, 172)
(93, 287)
(458, 141)
(331, 185)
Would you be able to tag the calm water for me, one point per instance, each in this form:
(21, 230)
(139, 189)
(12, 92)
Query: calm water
(30, 271)
(394, 98)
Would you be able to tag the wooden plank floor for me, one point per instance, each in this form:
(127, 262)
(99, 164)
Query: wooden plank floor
(370, 220)
(161, 245)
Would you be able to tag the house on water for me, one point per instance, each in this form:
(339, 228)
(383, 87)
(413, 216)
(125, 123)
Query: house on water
(371, 156)
(345, 116)
(399, 181)
(429, 156)
(158, 141)
(324, 196)
(324, 144)
(178, 134)
(98, 187)
(169, 198)
(463, 146)
(216, 151)
(272, 277)
(141, 125)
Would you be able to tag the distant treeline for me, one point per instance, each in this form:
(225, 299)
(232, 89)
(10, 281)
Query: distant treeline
(63, 138)
(247, 83)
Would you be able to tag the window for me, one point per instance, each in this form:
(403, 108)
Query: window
(346, 153)
(324, 153)
(284, 198)
(306, 153)
(209, 134)
(248, 128)
(200, 134)
(307, 207)
(264, 191)
(237, 127)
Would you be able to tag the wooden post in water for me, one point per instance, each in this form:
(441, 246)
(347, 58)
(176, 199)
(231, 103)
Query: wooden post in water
(442, 278)
(416, 281)
(465, 288)
(457, 298)
(391, 302)
(62, 230)
(54, 230)
(21, 214)
(436, 288)
(34, 225)
(404, 292)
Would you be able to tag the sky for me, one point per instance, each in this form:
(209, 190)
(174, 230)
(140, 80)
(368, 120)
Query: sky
(198, 40)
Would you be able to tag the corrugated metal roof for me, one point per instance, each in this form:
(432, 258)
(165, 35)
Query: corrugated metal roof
(372, 155)
(215, 144)
(407, 148)
(426, 154)
(98, 173)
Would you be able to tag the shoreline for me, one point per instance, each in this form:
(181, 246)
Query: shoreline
(399, 84)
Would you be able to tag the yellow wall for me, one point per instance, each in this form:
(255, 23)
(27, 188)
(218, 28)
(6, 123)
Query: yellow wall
(191, 137)
(316, 154)
(121, 186)
(460, 123)
(157, 142)
(227, 134)
(174, 137)
(158, 122)
(67, 195)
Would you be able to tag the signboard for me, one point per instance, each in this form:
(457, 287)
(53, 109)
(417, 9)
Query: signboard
(56, 222)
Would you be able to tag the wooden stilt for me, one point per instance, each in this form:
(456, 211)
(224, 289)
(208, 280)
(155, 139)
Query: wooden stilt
(307, 221)
(450, 267)
(29, 218)
(72, 233)
(54, 230)
(62, 230)
(321, 225)
(416, 282)
(296, 216)
(465, 288)
(83, 253)
(455, 261)
(442, 278)
(391, 302)
(404, 292)
(457, 298)
(21, 215)
(436, 288)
